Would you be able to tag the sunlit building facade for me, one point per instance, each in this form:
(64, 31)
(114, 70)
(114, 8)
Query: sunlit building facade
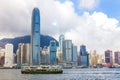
(8, 55)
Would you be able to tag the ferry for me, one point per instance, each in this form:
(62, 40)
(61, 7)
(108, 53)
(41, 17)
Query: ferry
(41, 70)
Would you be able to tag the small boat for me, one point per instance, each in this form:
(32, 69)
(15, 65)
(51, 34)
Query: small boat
(41, 70)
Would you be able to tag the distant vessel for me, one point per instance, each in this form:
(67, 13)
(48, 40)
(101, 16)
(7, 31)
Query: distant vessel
(41, 70)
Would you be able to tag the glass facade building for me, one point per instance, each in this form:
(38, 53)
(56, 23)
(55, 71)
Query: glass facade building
(108, 57)
(83, 50)
(84, 56)
(35, 37)
(61, 39)
(67, 50)
(53, 50)
(74, 53)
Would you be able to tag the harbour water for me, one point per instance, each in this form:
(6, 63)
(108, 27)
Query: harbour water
(68, 74)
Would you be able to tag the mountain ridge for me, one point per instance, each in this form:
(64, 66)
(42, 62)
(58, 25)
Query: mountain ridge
(45, 41)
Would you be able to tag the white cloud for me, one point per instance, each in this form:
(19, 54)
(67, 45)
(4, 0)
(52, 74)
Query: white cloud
(88, 4)
(96, 31)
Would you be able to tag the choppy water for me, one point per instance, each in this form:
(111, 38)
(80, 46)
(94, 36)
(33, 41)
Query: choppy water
(69, 74)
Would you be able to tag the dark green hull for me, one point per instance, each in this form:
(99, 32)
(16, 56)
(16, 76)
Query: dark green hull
(43, 71)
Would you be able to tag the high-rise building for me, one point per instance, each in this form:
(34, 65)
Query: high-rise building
(35, 37)
(8, 55)
(117, 57)
(67, 50)
(94, 59)
(59, 55)
(45, 56)
(108, 58)
(19, 52)
(83, 56)
(83, 51)
(74, 54)
(53, 50)
(23, 54)
(61, 39)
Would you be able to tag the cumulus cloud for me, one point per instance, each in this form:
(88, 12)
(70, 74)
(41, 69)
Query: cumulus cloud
(97, 31)
(88, 4)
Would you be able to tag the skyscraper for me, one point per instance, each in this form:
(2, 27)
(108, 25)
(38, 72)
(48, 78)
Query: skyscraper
(117, 57)
(83, 57)
(8, 55)
(83, 50)
(108, 58)
(53, 50)
(45, 56)
(74, 53)
(23, 54)
(94, 58)
(35, 37)
(61, 39)
(67, 50)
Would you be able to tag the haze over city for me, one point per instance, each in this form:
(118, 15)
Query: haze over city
(95, 25)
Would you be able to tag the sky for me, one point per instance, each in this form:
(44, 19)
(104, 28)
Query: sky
(94, 23)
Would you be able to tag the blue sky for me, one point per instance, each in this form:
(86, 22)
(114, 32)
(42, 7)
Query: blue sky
(109, 7)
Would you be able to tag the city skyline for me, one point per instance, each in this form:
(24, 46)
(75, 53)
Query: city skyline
(96, 24)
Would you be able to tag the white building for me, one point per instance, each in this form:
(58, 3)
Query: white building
(2, 55)
(23, 54)
(9, 55)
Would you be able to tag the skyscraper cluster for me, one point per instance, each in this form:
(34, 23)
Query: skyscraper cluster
(66, 54)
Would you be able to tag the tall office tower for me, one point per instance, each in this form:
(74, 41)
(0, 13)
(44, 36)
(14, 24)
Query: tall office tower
(44, 56)
(19, 53)
(27, 53)
(61, 39)
(67, 50)
(53, 50)
(108, 58)
(59, 55)
(35, 37)
(74, 53)
(25, 50)
(84, 56)
(101, 59)
(83, 50)
(117, 57)
(8, 55)
(94, 59)
(23, 54)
